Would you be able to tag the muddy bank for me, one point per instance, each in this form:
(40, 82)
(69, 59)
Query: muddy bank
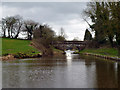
(102, 56)
(19, 56)
(8, 57)
(57, 53)
(22, 55)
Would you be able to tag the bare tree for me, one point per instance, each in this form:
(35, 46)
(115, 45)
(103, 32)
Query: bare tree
(62, 34)
(3, 25)
(10, 22)
(12, 25)
(29, 26)
(43, 39)
(18, 25)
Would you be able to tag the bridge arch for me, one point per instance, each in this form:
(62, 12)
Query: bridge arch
(80, 45)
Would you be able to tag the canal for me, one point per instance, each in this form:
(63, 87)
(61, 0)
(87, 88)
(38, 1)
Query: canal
(71, 71)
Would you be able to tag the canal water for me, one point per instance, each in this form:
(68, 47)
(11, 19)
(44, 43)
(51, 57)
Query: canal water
(64, 71)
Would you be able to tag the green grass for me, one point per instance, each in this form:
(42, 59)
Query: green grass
(102, 51)
(13, 46)
(57, 50)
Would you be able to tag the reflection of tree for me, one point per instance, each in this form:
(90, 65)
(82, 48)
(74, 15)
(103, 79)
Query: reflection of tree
(88, 60)
(118, 75)
(88, 63)
(106, 74)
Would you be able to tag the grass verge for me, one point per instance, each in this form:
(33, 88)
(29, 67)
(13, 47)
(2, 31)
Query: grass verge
(112, 52)
(57, 51)
(14, 46)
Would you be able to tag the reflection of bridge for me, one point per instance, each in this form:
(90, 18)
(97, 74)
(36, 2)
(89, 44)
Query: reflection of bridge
(70, 45)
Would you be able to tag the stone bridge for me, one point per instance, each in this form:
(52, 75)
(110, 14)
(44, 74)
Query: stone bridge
(79, 45)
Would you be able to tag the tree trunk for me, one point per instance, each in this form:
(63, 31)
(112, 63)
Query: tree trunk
(11, 34)
(18, 32)
(28, 35)
(111, 41)
(4, 35)
(11, 31)
(16, 36)
(8, 33)
(30, 38)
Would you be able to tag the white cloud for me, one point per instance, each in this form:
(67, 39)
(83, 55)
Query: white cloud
(0, 15)
(57, 15)
(46, 0)
(0, 10)
(73, 28)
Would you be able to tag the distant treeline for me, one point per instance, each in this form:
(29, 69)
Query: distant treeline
(105, 17)
(41, 35)
(17, 27)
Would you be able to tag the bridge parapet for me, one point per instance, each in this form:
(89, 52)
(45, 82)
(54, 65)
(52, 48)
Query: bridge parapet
(70, 44)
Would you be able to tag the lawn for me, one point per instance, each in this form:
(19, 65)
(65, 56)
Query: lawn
(13, 46)
(57, 50)
(102, 51)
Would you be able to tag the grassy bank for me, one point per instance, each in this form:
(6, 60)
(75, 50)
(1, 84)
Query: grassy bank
(57, 51)
(14, 46)
(112, 52)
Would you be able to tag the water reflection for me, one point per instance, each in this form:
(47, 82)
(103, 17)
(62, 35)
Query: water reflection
(69, 58)
(69, 71)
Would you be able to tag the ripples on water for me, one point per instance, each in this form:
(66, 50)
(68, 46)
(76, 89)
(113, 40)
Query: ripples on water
(71, 71)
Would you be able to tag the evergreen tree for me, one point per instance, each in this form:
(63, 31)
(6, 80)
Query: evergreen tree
(87, 36)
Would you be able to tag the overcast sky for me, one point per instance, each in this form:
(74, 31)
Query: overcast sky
(67, 15)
